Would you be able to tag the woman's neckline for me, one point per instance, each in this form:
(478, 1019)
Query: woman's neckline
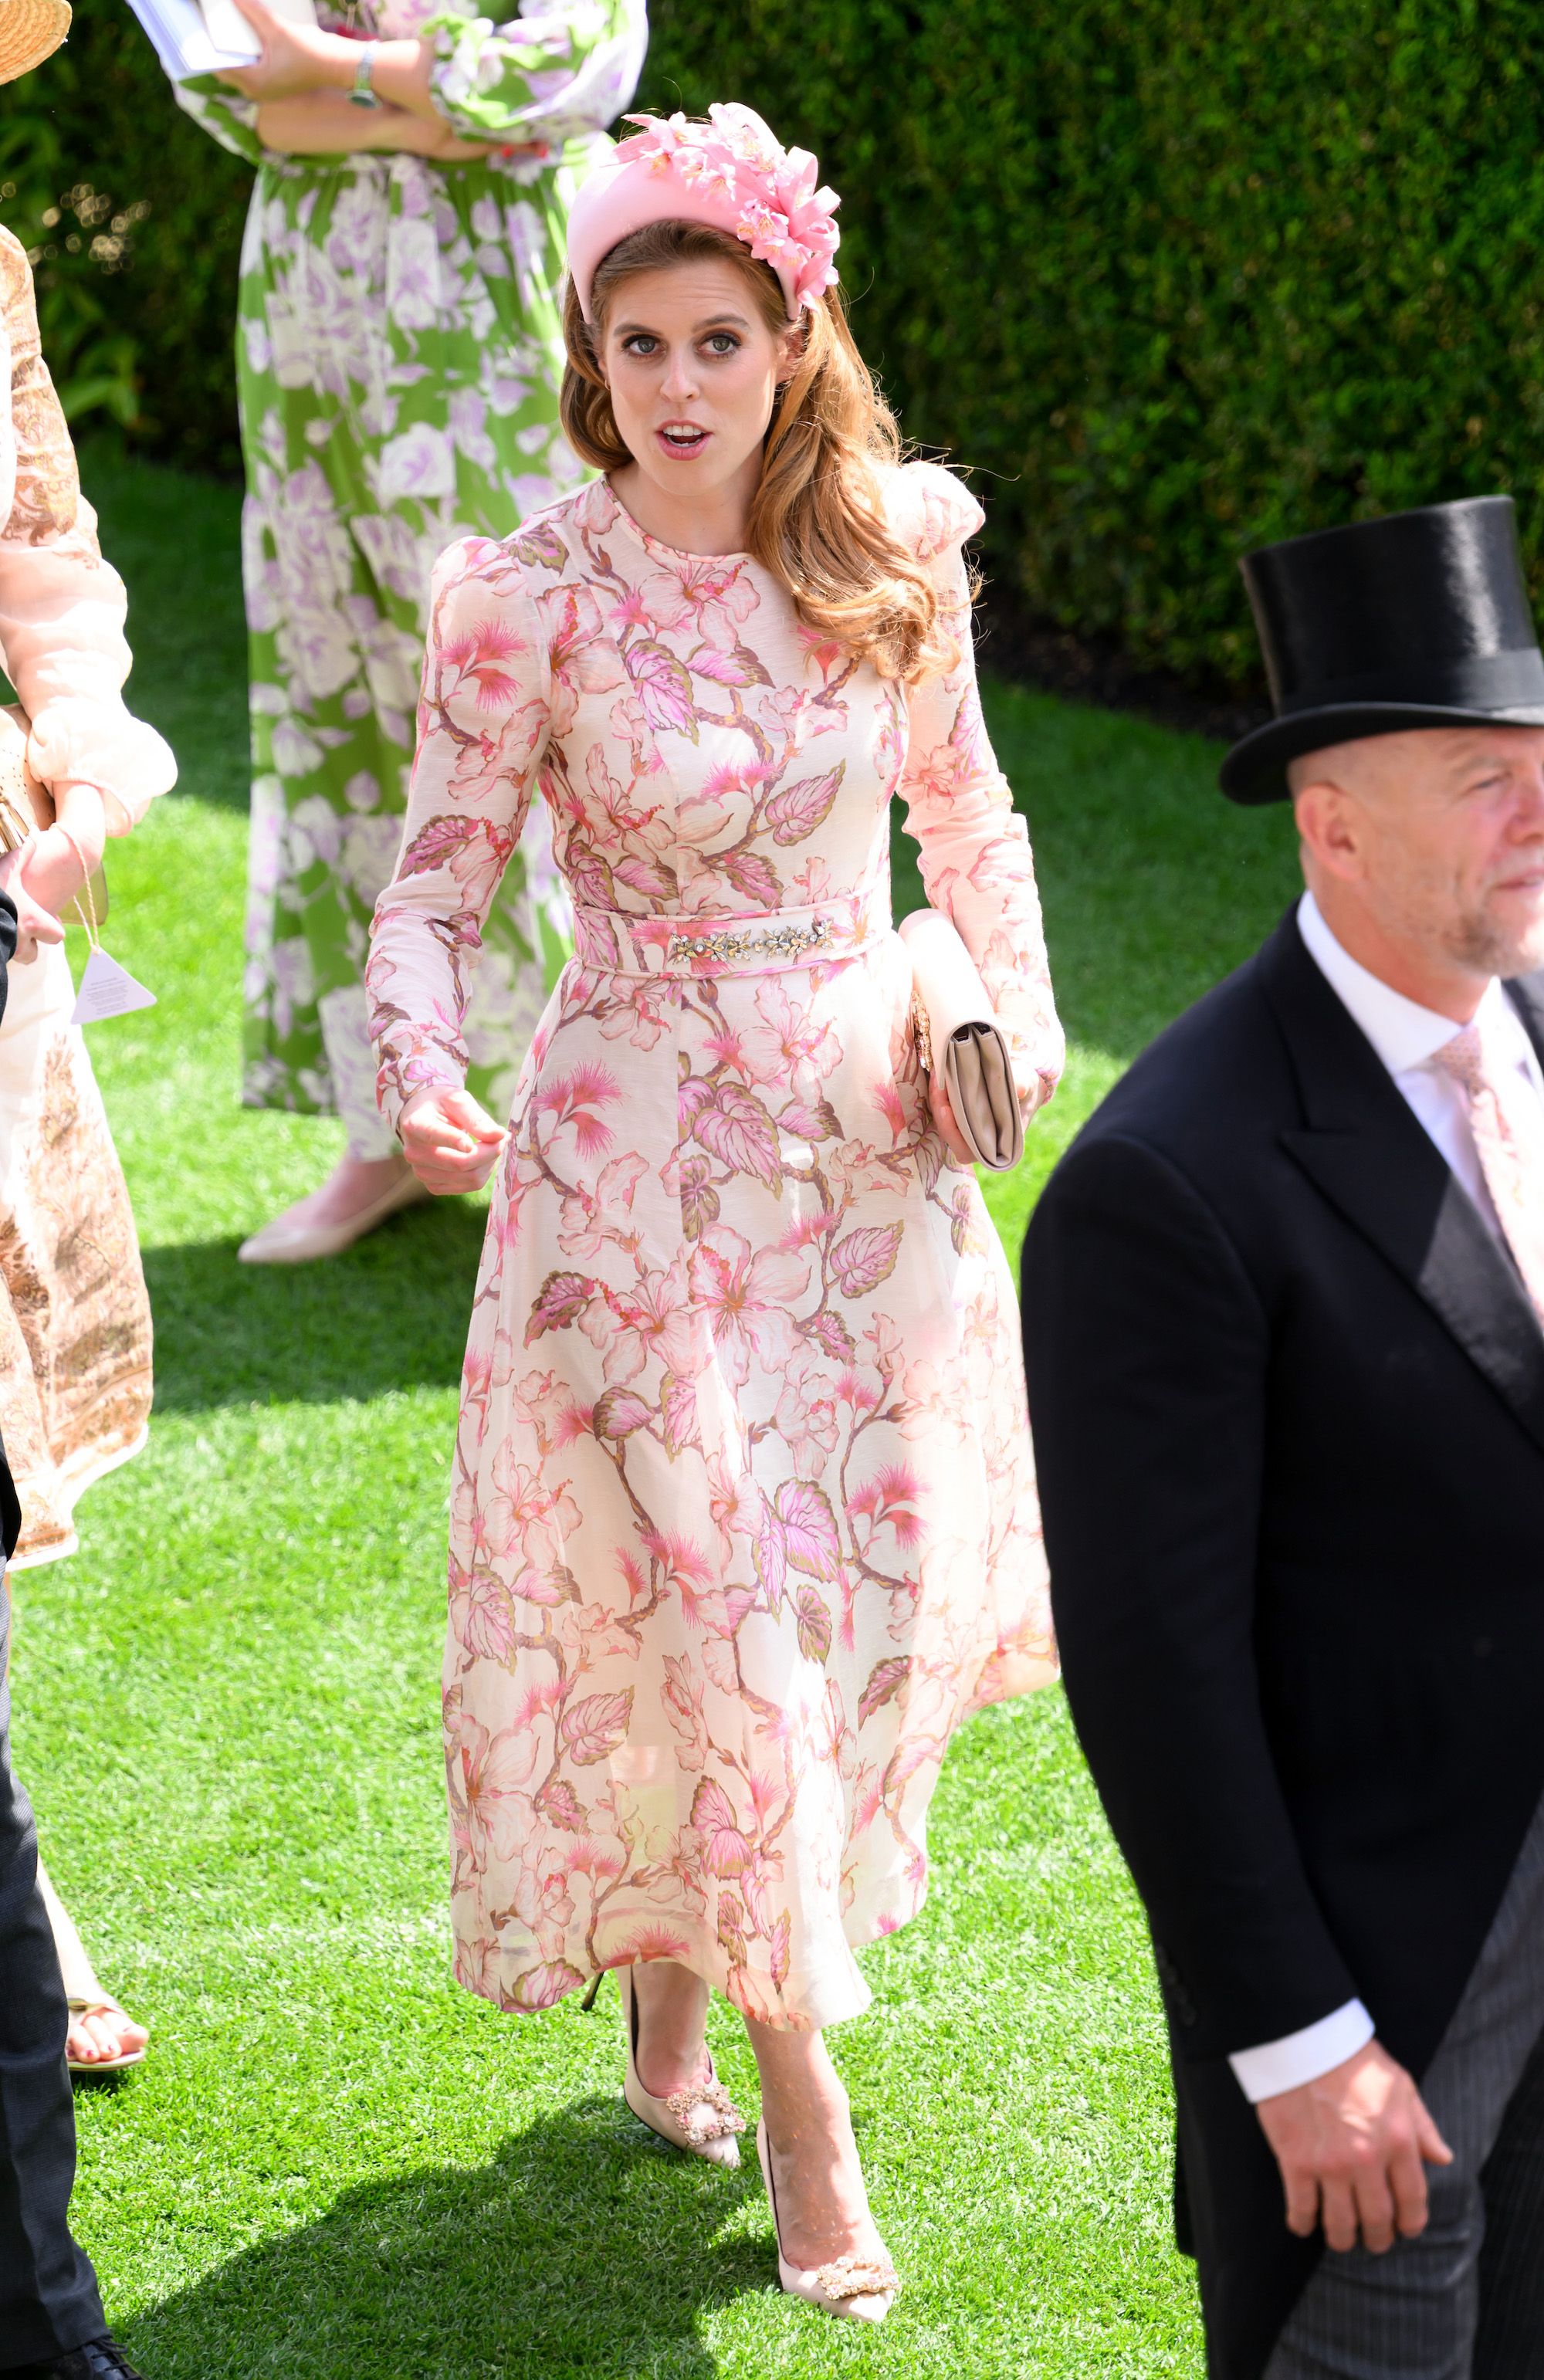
(653, 544)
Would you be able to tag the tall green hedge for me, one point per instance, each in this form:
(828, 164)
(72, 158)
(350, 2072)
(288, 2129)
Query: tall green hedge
(133, 218)
(1171, 275)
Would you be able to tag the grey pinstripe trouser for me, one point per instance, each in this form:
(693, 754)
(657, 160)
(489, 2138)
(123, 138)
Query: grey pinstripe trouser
(1466, 2300)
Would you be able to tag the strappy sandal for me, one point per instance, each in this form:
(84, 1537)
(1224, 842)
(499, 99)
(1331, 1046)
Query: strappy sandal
(103, 2006)
(84, 1992)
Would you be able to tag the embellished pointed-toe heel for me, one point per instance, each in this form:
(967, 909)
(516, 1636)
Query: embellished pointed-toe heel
(702, 2119)
(855, 2288)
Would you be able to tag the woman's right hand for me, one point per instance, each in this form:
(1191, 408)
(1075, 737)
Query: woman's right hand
(451, 1143)
(34, 924)
(942, 1115)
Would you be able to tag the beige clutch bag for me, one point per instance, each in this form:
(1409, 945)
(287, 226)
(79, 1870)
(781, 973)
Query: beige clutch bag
(957, 1030)
(27, 806)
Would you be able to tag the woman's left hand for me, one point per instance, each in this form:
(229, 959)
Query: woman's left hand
(55, 864)
(35, 924)
(294, 58)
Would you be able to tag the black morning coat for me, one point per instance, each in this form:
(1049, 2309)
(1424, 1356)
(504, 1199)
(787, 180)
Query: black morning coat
(10, 1510)
(1288, 1406)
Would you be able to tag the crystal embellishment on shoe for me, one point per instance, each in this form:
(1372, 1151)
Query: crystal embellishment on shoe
(672, 2117)
(857, 2277)
(724, 2119)
(850, 2288)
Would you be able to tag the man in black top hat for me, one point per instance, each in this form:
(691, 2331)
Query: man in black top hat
(1285, 1350)
(52, 2324)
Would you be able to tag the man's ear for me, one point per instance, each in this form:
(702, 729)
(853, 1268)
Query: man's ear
(1330, 828)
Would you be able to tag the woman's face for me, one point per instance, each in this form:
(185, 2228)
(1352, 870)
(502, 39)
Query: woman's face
(693, 370)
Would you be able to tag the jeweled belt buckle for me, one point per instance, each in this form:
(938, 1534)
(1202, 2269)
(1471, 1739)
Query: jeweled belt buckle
(776, 942)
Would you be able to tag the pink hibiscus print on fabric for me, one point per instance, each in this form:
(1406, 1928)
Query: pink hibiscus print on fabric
(653, 1323)
(593, 1219)
(581, 655)
(494, 1771)
(713, 596)
(794, 1039)
(524, 1520)
(745, 1294)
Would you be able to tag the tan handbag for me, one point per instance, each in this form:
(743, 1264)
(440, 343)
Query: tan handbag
(27, 808)
(957, 1031)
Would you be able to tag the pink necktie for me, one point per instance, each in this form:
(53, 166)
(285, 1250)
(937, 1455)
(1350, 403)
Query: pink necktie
(1507, 1119)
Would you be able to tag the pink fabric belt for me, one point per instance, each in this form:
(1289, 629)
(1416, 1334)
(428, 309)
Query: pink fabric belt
(765, 943)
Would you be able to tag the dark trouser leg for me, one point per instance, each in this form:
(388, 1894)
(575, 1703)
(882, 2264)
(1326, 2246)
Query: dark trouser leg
(1511, 2341)
(48, 2293)
(1415, 2313)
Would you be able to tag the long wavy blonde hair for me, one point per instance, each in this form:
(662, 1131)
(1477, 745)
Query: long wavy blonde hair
(818, 520)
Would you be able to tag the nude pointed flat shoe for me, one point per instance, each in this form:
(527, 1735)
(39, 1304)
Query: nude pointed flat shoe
(282, 1242)
(702, 2118)
(853, 2289)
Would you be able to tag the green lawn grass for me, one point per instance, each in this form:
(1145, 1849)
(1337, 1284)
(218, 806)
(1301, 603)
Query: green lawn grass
(336, 2164)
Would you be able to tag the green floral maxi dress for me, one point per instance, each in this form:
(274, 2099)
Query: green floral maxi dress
(398, 352)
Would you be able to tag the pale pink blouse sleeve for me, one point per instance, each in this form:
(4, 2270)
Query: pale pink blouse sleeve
(483, 719)
(974, 846)
(62, 608)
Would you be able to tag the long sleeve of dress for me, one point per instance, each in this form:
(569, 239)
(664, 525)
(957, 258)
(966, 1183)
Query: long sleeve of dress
(62, 608)
(483, 720)
(974, 846)
(561, 70)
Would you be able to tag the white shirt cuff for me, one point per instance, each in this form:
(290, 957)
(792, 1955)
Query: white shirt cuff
(1303, 2057)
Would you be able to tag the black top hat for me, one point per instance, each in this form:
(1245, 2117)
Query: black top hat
(1417, 620)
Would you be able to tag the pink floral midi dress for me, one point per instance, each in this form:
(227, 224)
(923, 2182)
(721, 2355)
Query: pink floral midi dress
(743, 1513)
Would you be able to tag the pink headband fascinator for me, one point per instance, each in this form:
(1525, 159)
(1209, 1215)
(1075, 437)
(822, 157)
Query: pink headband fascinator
(731, 172)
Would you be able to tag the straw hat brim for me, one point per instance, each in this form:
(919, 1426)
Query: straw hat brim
(30, 31)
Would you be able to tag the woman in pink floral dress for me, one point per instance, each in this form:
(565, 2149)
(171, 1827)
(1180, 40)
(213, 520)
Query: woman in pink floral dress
(744, 1520)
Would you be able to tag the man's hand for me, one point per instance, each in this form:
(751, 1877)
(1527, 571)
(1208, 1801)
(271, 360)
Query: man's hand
(1351, 2146)
(450, 1142)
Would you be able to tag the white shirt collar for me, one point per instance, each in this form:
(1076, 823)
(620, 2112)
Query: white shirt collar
(1404, 1034)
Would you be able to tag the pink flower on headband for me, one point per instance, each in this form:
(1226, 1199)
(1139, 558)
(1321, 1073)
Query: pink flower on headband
(783, 218)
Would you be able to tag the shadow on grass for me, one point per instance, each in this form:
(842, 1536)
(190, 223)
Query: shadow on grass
(392, 1313)
(581, 2247)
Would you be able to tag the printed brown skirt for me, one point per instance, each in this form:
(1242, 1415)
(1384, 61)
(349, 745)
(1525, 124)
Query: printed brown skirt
(75, 1326)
